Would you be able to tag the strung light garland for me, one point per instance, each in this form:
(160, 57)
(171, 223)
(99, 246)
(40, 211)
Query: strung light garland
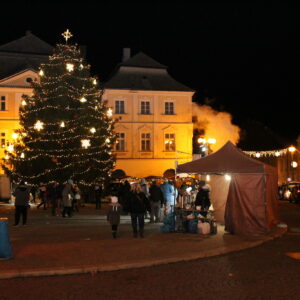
(275, 153)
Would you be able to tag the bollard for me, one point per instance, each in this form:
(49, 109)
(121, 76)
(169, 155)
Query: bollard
(5, 248)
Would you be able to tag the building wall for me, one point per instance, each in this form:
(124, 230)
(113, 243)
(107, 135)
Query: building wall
(133, 124)
(9, 118)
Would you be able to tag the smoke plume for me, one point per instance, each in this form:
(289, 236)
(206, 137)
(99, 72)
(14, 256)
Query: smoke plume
(215, 124)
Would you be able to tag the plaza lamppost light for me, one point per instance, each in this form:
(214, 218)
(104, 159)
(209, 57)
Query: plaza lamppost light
(204, 144)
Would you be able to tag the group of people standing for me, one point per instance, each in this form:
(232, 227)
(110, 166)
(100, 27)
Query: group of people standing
(64, 199)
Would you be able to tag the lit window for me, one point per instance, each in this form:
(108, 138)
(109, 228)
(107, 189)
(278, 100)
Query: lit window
(145, 107)
(120, 142)
(145, 142)
(169, 108)
(120, 107)
(169, 142)
(2, 103)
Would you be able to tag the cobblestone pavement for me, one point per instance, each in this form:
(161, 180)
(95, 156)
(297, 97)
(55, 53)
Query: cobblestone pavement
(263, 272)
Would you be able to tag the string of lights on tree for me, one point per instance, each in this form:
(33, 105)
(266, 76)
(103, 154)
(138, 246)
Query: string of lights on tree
(66, 129)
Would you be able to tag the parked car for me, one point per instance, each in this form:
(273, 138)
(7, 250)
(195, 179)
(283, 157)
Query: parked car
(290, 192)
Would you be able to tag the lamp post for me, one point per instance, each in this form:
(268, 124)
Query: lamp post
(204, 145)
(292, 149)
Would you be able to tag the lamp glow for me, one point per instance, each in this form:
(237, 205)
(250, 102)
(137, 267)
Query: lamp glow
(82, 100)
(93, 130)
(294, 164)
(227, 177)
(292, 149)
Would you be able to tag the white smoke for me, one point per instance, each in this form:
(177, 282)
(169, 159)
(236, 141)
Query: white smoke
(215, 124)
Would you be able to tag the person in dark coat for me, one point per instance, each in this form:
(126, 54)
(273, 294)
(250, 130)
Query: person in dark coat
(22, 197)
(156, 201)
(113, 215)
(138, 205)
(202, 198)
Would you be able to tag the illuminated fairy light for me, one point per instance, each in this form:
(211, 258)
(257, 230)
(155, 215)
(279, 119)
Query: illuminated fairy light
(107, 141)
(24, 102)
(10, 148)
(70, 67)
(94, 82)
(93, 130)
(6, 157)
(22, 155)
(109, 112)
(39, 125)
(62, 124)
(41, 73)
(257, 155)
(85, 143)
(81, 66)
(15, 135)
(277, 153)
(82, 100)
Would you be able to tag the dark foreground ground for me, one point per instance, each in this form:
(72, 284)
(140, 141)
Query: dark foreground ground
(263, 272)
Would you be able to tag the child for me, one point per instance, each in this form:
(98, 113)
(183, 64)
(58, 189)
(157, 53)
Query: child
(113, 215)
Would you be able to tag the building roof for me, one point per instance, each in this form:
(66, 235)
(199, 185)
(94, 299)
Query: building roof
(27, 52)
(142, 72)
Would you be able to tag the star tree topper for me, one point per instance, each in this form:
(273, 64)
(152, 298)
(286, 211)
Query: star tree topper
(67, 35)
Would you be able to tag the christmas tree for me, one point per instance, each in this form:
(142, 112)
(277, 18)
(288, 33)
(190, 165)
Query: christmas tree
(66, 128)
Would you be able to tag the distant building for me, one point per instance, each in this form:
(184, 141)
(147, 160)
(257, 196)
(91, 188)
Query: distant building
(19, 63)
(155, 128)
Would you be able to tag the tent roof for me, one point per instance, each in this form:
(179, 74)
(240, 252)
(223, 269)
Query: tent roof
(228, 159)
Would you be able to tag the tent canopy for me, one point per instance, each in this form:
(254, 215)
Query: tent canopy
(228, 159)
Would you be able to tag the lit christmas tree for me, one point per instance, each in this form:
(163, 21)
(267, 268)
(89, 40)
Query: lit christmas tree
(66, 129)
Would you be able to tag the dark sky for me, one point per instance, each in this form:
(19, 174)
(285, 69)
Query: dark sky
(245, 58)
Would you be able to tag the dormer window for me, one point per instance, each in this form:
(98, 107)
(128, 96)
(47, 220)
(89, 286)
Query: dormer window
(29, 79)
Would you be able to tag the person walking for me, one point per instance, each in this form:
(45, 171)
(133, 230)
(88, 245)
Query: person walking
(113, 215)
(98, 195)
(67, 196)
(42, 195)
(156, 202)
(22, 197)
(138, 205)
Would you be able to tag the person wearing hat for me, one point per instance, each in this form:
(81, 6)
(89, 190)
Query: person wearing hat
(22, 195)
(113, 215)
(67, 197)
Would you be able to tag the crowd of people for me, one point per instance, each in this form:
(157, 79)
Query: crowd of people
(141, 199)
(62, 199)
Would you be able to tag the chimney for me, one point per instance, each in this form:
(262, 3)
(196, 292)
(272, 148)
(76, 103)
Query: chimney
(126, 54)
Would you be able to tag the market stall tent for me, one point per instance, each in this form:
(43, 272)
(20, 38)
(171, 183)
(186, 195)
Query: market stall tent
(248, 202)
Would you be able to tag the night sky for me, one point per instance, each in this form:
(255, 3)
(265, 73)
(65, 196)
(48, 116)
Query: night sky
(241, 58)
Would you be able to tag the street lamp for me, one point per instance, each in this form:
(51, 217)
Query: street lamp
(204, 145)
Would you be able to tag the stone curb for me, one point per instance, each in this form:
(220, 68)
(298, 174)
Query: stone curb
(134, 265)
